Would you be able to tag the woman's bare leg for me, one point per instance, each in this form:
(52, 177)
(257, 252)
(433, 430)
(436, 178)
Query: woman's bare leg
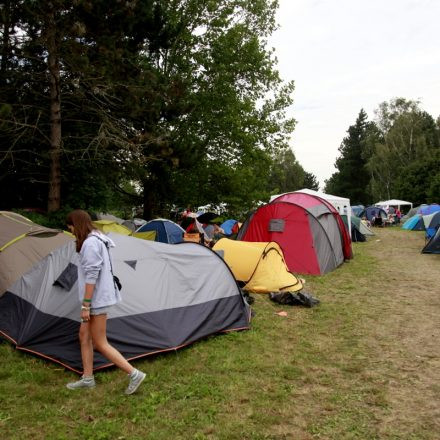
(85, 339)
(98, 330)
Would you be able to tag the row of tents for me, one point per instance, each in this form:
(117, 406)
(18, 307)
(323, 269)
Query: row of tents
(426, 218)
(173, 295)
(174, 292)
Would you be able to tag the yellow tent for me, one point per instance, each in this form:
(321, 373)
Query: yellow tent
(112, 226)
(147, 235)
(260, 265)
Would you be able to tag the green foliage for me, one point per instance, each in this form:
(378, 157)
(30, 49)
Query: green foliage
(56, 220)
(154, 92)
(286, 174)
(405, 158)
(352, 178)
(310, 181)
(396, 156)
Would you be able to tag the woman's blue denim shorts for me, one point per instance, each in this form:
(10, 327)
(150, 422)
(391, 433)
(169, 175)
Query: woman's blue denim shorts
(100, 310)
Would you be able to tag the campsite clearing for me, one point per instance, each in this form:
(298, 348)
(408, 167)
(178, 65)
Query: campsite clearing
(365, 364)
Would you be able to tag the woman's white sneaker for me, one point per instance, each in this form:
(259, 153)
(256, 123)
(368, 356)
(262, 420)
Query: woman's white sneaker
(84, 382)
(136, 378)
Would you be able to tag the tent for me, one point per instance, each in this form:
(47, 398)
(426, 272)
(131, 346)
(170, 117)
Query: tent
(310, 239)
(107, 226)
(359, 231)
(393, 202)
(172, 296)
(341, 204)
(259, 266)
(363, 228)
(433, 245)
(110, 217)
(415, 223)
(23, 244)
(314, 204)
(357, 210)
(422, 209)
(431, 223)
(166, 230)
(429, 209)
(229, 226)
(373, 211)
(134, 224)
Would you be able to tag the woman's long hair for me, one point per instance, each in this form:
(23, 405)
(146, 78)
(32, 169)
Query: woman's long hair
(82, 223)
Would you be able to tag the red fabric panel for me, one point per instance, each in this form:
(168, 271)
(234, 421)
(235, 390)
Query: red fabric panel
(296, 241)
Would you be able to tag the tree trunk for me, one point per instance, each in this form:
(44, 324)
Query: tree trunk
(5, 42)
(54, 197)
(149, 201)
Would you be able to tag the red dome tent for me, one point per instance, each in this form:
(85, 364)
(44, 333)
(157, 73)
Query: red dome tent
(312, 203)
(310, 236)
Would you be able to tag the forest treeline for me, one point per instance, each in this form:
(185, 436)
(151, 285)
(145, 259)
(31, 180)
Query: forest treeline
(109, 104)
(394, 156)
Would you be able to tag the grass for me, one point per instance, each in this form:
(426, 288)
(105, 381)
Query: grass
(312, 374)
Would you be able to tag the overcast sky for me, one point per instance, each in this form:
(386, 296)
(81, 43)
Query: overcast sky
(345, 55)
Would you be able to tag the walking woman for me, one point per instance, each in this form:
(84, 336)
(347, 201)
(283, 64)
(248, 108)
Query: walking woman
(97, 294)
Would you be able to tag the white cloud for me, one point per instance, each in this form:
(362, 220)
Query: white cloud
(345, 55)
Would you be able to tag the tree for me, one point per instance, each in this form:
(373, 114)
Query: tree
(161, 93)
(408, 143)
(310, 181)
(351, 178)
(222, 127)
(286, 173)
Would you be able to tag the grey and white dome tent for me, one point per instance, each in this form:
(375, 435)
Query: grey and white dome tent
(172, 295)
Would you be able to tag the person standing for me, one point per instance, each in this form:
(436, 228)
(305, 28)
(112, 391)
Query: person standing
(97, 294)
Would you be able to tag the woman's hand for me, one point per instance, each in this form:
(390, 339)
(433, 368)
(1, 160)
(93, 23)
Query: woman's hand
(85, 315)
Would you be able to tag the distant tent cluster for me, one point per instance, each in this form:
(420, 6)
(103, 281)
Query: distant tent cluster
(426, 218)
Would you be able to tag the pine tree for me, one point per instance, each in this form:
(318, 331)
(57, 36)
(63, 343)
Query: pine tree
(352, 177)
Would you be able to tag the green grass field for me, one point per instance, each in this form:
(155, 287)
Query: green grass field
(316, 373)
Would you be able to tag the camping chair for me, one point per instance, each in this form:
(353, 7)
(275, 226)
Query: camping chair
(194, 237)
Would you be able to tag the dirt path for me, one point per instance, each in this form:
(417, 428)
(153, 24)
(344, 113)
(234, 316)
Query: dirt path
(406, 333)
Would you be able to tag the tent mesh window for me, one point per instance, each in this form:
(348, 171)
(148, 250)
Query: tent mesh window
(276, 225)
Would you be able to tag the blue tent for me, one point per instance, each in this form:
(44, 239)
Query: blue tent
(433, 245)
(415, 223)
(228, 225)
(373, 211)
(431, 223)
(166, 230)
(357, 210)
(429, 209)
